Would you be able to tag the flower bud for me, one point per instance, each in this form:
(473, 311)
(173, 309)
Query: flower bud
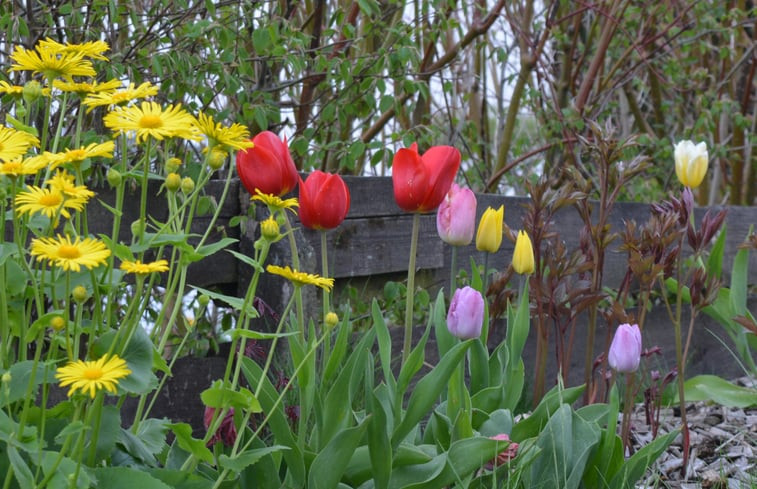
(489, 235)
(217, 158)
(625, 350)
(80, 294)
(331, 319)
(466, 313)
(456, 216)
(114, 177)
(269, 229)
(6, 378)
(173, 182)
(691, 163)
(32, 91)
(136, 227)
(203, 300)
(187, 185)
(172, 165)
(523, 256)
(57, 323)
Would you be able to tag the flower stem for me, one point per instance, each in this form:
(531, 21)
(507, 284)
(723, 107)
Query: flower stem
(627, 403)
(326, 305)
(453, 273)
(408, 342)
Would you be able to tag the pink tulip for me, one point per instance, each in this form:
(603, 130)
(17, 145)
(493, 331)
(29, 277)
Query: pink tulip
(625, 350)
(466, 313)
(456, 217)
(227, 432)
(508, 453)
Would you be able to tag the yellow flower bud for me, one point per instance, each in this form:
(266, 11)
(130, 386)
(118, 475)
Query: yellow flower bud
(489, 234)
(331, 319)
(113, 177)
(217, 158)
(187, 185)
(80, 294)
(6, 378)
(691, 163)
(523, 256)
(269, 229)
(173, 182)
(32, 91)
(172, 165)
(57, 323)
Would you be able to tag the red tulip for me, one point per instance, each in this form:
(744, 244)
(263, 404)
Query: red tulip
(324, 200)
(267, 166)
(421, 182)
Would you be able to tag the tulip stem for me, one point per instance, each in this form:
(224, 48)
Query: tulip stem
(407, 344)
(326, 306)
(453, 273)
(627, 403)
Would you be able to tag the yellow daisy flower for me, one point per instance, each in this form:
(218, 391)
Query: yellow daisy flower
(85, 88)
(14, 144)
(28, 166)
(139, 268)
(9, 89)
(275, 203)
(152, 120)
(65, 183)
(51, 63)
(120, 97)
(78, 155)
(47, 201)
(71, 255)
(235, 136)
(91, 49)
(92, 376)
(301, 278)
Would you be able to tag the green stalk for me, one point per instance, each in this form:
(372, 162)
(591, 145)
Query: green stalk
(408, 341)
(326, 294)
(296, 265)
(627, 403)
(453, 273)
(143, 196)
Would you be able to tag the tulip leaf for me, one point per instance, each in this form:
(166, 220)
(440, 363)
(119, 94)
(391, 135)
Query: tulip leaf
(330, 464)
(532, 426)
(637, 465)
(384, 344)
(427, 391)
(277, 421)
(739, 279)
(339, 350)
(379, 446)
(413, 363)
(715, 261)
(259, 335)
(713, 388)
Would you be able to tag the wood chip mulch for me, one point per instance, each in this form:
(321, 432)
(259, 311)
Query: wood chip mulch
(723, 444)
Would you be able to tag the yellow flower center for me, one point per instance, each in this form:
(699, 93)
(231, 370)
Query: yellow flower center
(150, 121)
(69, 252)
(77, 154)
(50, 200)
(120, 97)
(11, 166)
(93, 373)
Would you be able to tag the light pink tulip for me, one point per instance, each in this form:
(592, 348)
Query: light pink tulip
(456, 217)
(625, 350)
(466, 313)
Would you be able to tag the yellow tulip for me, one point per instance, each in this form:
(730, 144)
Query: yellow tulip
(489, 235)
(523, 256)
(691, 163)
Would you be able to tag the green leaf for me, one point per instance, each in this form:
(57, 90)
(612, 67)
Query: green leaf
(243, 460)
(108, 432)
(379, 446)
(259, 335)
(715, 260)
(713, 388)
(138, 356)
(637, 465)
(278, 422)
(739, 279)
(339, 350)
(384, 344)
(194, 446)
(329, 465)
(21, 471)
(64, 469)
(218, 396)
(127, 478)
(21, 374)
(210, 249)
(566, 443)
(428, 390)
(551, 402)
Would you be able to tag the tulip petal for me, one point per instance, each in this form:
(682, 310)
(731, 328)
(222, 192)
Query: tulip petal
(410, 179)
(442, 163)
